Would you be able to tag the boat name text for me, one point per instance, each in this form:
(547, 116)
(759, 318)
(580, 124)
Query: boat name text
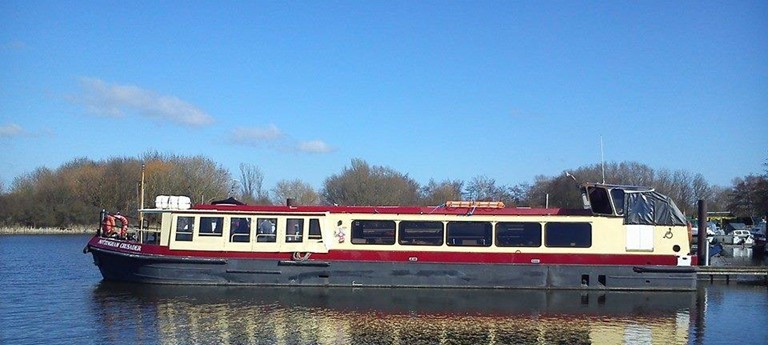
(128, 246)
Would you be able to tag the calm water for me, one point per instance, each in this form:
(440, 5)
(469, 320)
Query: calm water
(51, 293)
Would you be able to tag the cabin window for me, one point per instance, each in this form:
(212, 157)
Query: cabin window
(420, 233)
(266, 229)
(518, 234)
(294, 227)
(184, 226)
(570, 235)
(470, 234)
(618, 200)
(373, 232)
(314, 229)
(601, 203)
(211, 226)
(240, 229)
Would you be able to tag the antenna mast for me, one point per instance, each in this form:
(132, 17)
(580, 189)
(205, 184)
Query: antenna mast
(602, 158)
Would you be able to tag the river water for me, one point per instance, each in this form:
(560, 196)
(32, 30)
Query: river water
(51, 293)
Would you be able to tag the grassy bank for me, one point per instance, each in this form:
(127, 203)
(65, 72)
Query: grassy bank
(47, 231)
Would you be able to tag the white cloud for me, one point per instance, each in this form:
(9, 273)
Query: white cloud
(255, 136)
(115, 100)
(13, 46)
(315, 146)
(273, 138)
(11, 130)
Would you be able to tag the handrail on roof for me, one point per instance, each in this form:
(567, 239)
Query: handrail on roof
(474, 204)
(626, 188)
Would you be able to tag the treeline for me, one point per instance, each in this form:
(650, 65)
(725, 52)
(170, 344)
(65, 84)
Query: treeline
(74, 193)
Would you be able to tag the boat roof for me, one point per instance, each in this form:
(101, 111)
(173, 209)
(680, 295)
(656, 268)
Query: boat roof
(626, 188)
(420, 210)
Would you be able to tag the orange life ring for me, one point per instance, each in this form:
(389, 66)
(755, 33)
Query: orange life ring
(123, 226)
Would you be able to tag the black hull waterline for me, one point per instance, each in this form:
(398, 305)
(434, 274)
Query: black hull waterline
(157, 269)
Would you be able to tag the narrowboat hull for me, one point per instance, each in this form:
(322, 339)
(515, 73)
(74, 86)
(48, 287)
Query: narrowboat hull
(123, 265)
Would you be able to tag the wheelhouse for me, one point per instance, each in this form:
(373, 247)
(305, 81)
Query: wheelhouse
(637, 205)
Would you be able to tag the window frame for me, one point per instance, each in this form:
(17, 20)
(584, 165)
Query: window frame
(404, 239)
(558, 229)
(235, 232)
(315, 231)
(264, 233)
(452, 236)
(217, 231)
(357, 231)
(290, 234)
(190, 232)
(526, 232)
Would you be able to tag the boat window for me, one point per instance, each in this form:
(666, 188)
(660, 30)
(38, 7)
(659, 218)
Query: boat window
(420, 233)
(470, 234)
(577, 235)
(314, 229)
(240, 230)
(601, 203)
(211, 226)
(373, 232)
(184, 226)
(266, 229)
(518, 234)
(618, 200)
(294, 227)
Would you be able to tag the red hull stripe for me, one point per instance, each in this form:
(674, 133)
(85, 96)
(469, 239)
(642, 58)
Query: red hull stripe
(411, 256)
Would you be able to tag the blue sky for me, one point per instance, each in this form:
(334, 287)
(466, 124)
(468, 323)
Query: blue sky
(434, 89)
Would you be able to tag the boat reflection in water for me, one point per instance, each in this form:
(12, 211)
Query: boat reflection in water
(259, 315)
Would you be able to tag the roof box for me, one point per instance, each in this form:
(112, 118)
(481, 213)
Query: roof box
(172, 202)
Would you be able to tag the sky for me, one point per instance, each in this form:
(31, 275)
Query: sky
(433, 89)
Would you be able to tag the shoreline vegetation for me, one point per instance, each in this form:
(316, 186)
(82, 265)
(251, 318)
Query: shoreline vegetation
(20, 230)
(76, 191)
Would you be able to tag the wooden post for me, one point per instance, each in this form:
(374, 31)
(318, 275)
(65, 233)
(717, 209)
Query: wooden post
(701, 239)
(141, 214)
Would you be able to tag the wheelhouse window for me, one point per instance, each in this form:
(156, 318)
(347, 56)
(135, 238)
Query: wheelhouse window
(568, 235)
(266, 229)
(470, 234)
(240, 229)
(618, 200)
(211, 226)
(420, 233)
(184, 227)
(294, 227)
(599, 200)
(518, 234)
(373, 232)
(314, 229)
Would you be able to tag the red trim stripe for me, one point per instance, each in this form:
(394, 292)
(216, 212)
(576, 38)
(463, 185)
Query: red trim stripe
(416, 256)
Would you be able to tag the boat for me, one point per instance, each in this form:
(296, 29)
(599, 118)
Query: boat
(625, 238)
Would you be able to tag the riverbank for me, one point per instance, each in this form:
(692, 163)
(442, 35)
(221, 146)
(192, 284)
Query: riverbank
(47, 231)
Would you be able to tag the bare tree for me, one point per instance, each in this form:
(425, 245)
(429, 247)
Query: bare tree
(251, 183)
(718, 199)
(434, 193)
(749, 196)
(485, 189)
(298, 190)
